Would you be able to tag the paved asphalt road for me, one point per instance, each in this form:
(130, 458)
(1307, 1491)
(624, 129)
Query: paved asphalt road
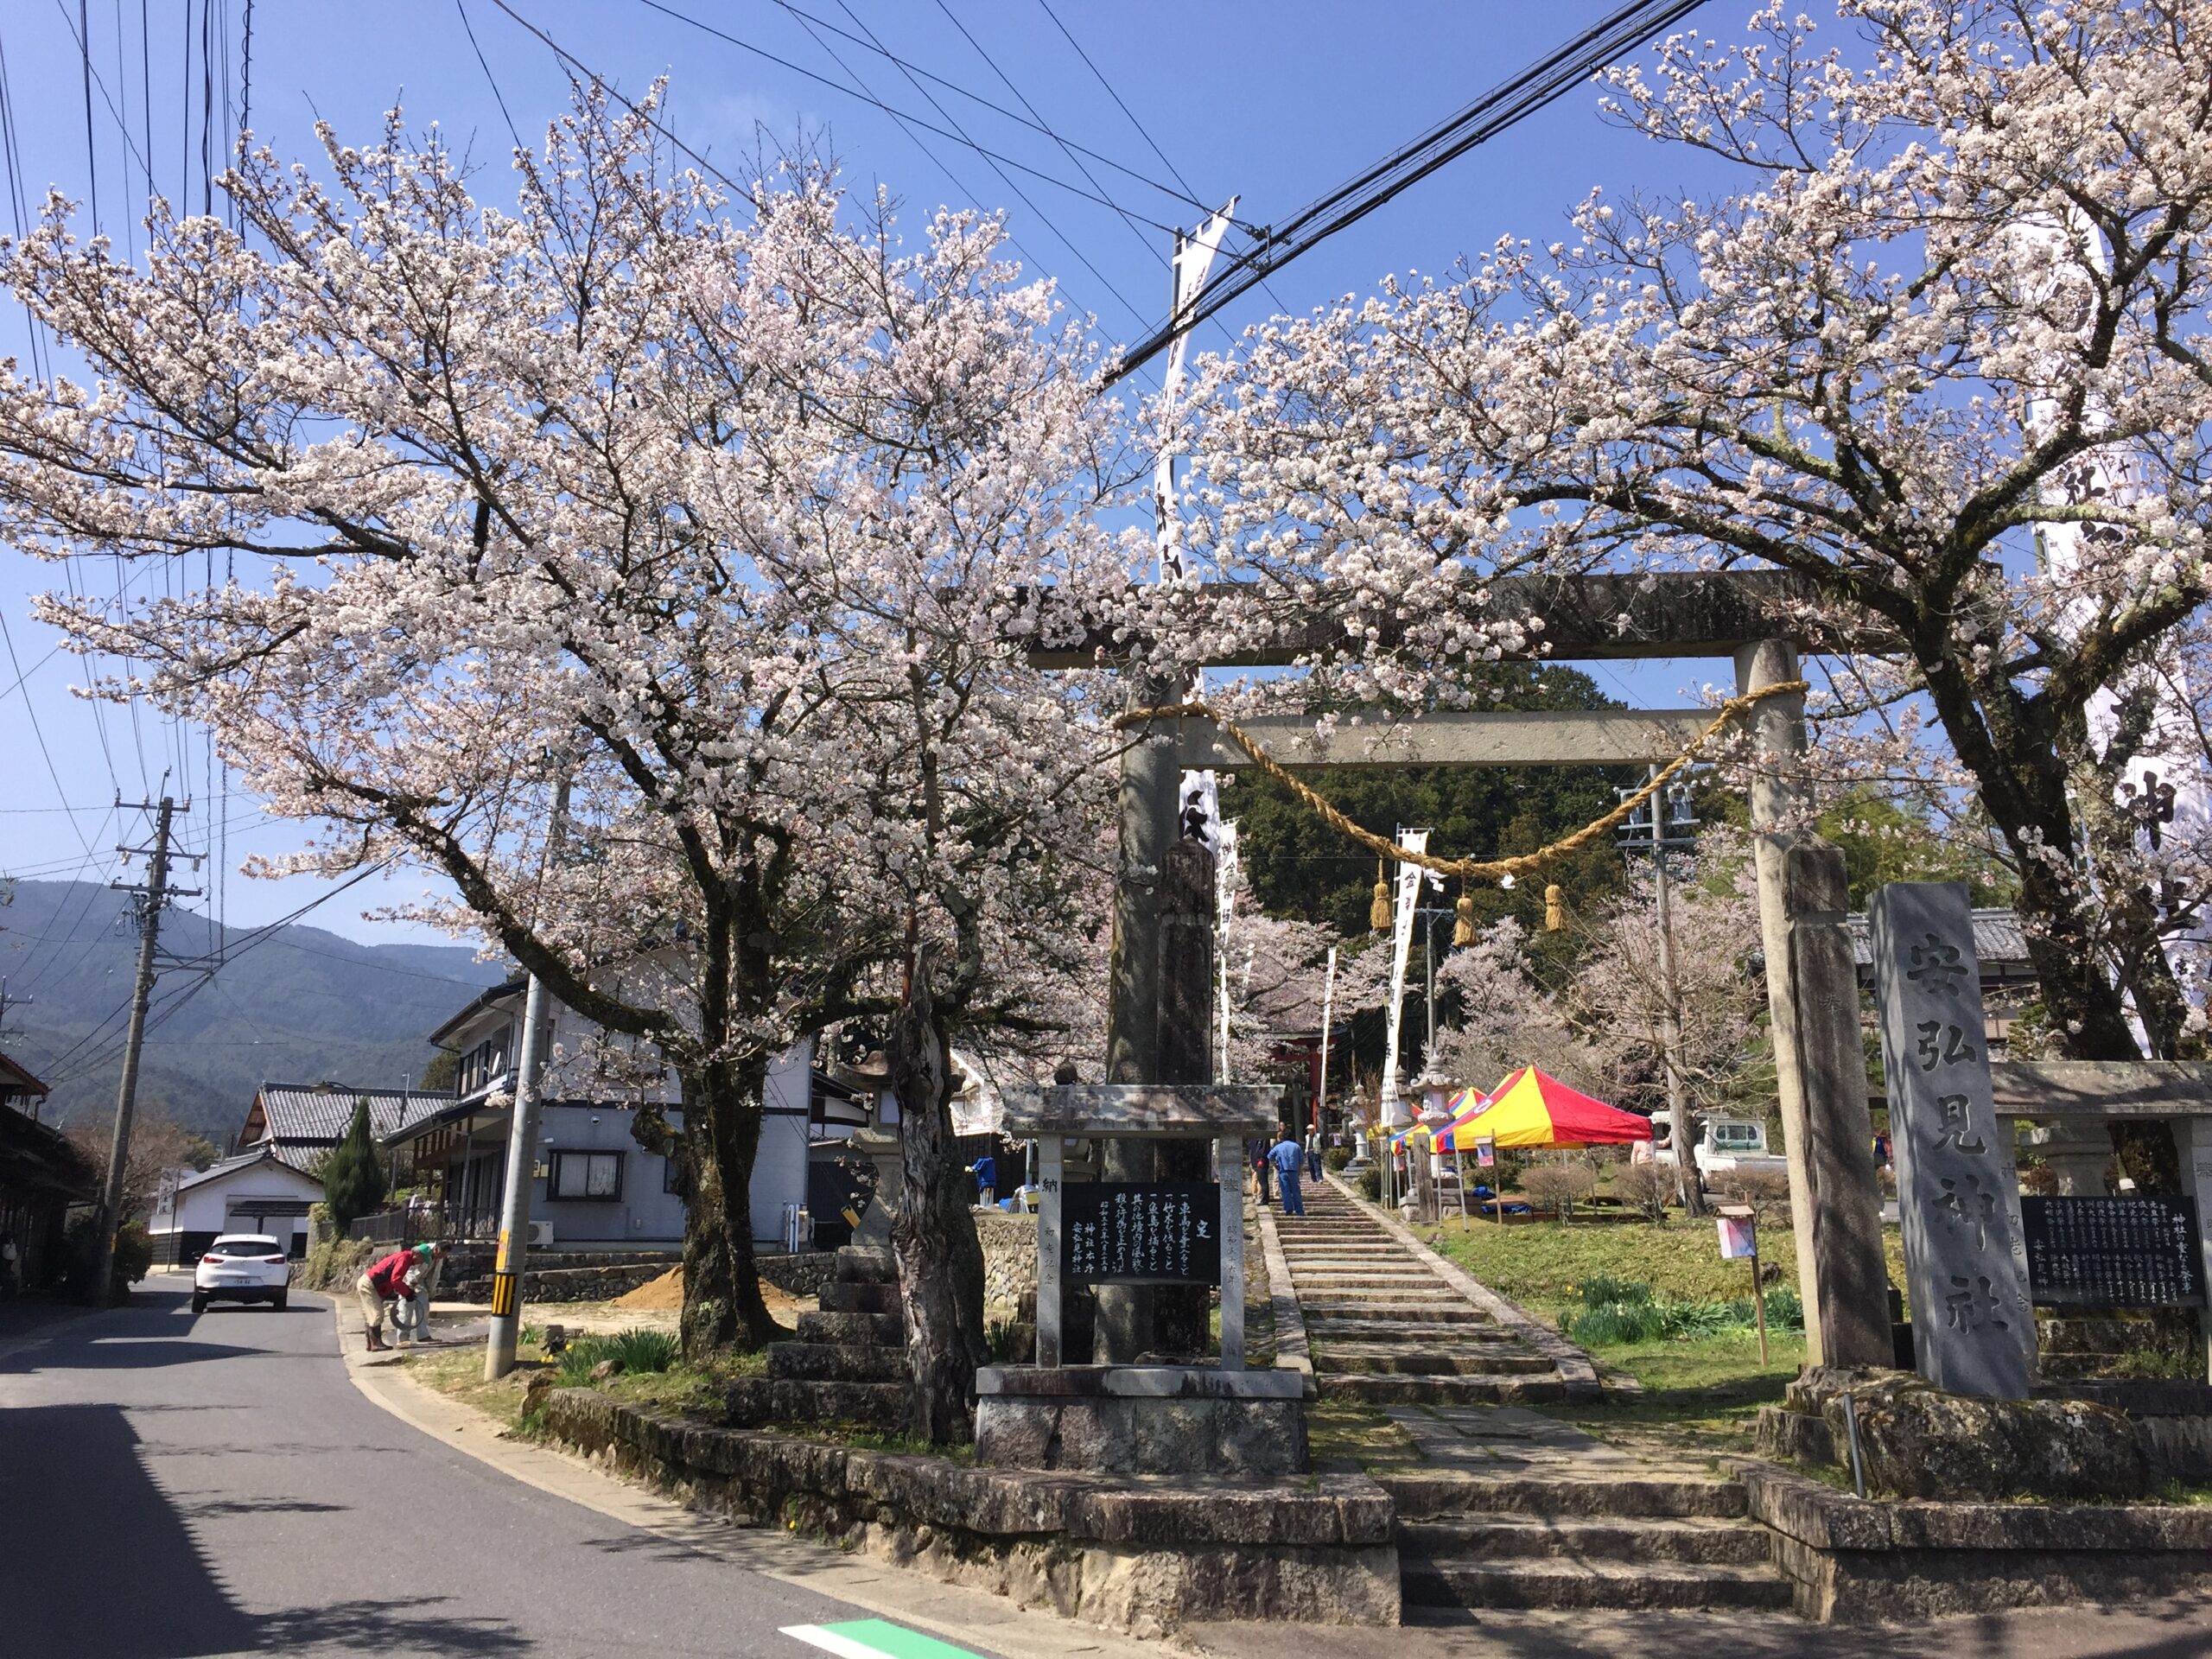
(174, 1485)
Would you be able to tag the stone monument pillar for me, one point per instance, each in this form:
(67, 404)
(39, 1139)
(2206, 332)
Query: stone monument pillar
(1972, 1328)
(1812, 990)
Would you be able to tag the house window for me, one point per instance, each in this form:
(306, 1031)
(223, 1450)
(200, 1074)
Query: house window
(586, 1175)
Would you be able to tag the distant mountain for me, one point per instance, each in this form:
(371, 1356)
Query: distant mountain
(297, 1005)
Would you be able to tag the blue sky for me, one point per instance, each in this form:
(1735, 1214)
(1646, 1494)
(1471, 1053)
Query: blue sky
(1274, 102)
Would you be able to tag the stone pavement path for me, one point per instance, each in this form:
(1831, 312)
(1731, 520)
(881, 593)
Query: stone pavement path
(1385, 1327)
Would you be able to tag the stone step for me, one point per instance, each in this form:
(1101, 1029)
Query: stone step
(1486, 1388)
(1434, 1494)
(848, 1298)
(1620, 1584)
(888, 1329)
(1709, 1540)
(758, 1402)
(1385, 1290)
(863, 1264)
(1367, 1361)
(1389, 1319)
(836, 1362)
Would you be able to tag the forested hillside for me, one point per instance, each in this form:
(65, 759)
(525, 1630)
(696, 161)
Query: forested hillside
(296, 1004)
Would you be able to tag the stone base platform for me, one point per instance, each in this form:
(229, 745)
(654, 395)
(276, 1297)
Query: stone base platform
(1143, 1554)
(1853, 1562)
(1142, 1419)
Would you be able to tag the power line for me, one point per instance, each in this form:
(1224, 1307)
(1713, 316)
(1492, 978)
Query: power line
(1043, 218)
(868, 98)
(1034, 121)
(1495, 111)
(498, 97)
(1116, 97)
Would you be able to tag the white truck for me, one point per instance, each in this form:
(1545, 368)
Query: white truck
(1728, 1146)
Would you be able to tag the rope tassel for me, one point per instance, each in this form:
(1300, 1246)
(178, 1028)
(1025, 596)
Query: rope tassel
(1378, 914)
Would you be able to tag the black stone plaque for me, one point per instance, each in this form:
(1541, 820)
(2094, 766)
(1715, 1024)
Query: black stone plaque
(1140, 1233)
(2132, 1252)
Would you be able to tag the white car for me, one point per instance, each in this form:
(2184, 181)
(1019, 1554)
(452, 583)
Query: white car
(242, 1267)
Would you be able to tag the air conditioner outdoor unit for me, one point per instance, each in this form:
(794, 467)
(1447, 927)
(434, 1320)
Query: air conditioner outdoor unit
(541, 1234)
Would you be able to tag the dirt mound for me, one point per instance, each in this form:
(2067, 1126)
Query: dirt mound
(667, 1292)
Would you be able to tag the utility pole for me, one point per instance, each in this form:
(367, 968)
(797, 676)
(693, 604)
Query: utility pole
(156, 893)
(1667, 820)
(522, 1149)
(31, 1102)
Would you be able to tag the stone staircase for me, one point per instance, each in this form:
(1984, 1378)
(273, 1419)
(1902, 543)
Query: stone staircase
(848, 1364)
(1383, 1328)
(1647, 1541)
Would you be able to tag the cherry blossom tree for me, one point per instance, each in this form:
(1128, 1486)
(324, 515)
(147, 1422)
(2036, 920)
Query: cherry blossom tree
(721, 517)
(1848, 363)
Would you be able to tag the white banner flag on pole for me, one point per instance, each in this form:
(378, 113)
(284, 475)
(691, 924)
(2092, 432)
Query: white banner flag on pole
(1395, 1115)
(1194, 257)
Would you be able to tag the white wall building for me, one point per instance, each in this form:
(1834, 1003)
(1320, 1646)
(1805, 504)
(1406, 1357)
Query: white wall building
(256, 1192)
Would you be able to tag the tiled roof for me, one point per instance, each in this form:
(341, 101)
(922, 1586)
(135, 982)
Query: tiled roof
(318, 1114)
(223, 1167)
(1998, 938)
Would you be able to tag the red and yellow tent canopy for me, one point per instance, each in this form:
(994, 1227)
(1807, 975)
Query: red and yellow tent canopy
(1533, 1109)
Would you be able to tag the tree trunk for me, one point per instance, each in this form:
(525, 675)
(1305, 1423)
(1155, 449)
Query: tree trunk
(722, 1304)
(940, 1262)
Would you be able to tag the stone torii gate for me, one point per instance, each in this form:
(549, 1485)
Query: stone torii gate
(1812, 986)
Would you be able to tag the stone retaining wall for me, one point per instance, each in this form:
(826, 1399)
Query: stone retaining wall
(570, 1284)
(802, 1274)
(1860, 1562)
(1009, 1244)
(1137, 1557)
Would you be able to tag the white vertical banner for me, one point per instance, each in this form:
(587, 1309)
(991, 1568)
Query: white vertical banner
(1224, 888)
(1194, 257)
(1328, 1013)
(1402, 943)
(1197, 812)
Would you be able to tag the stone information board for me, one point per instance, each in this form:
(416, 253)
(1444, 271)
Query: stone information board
(1151, 1233)
(1958, 1195)
(2134, 1252)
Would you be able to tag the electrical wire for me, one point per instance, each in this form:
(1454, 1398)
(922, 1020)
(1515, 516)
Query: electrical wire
(1033, 120)
(1502, 107)
(901, 117)
(498, 97)
(1042, 217)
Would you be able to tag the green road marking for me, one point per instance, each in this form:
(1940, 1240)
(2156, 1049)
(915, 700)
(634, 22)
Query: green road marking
(875, 1638)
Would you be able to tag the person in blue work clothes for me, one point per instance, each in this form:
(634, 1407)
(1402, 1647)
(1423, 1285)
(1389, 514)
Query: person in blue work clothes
(985, 1169)
(1289, 1160)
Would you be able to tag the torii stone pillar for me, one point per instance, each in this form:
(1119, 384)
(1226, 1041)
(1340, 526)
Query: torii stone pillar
(1150, 779)
(1811, 988)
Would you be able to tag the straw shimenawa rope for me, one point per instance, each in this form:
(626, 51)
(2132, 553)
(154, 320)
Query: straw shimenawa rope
(1472, 868)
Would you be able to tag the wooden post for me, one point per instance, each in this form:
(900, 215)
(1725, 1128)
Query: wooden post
(2193, 1137)
(1229, 1160)
(1049, 1327)
(1758, 1291)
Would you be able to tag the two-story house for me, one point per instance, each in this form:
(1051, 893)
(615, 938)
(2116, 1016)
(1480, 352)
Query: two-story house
(594, 1186)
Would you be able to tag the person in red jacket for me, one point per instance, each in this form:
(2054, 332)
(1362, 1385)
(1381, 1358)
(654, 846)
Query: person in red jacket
(384, 1283)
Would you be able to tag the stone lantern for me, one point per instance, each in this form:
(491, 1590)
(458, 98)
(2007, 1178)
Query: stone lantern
(1435, 1089)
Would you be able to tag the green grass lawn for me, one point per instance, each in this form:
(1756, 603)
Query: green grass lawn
(1699, 1389)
